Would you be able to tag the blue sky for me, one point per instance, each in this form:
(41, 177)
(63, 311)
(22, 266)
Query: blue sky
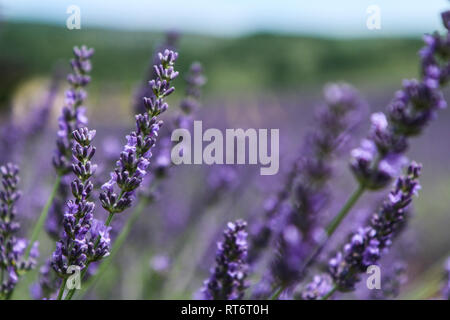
(341, 18)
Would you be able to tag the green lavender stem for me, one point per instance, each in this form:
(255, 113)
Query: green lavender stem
(334, 224)
(43, 216)
(61, 289)
(330, 293)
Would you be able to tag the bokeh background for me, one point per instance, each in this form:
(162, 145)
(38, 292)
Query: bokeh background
(266, 63)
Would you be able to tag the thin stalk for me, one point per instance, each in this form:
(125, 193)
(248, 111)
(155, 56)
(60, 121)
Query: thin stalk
(334, 224)
(43, 216)
(330, 293)
(61, 289)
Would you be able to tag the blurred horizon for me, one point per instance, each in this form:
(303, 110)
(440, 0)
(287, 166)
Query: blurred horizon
(234, 18)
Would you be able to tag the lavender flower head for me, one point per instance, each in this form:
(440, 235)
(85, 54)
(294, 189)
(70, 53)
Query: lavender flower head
(135, 157)
(368, 244)
(83, 240)
(228, 278)
(12, 249)
(73, 113)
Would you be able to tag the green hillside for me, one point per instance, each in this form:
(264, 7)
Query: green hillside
(233, 65)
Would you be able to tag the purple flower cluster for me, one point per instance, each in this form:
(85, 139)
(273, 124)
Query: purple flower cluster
(84, 239)
(12, 249)
(379, 157)
(368, 244)
(73, 113)
(144, 90)
(228, 278)
(134, 159)
(314, 169)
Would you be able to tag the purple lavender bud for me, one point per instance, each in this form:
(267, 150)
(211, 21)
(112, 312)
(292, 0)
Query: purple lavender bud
(12, 249)
(368, 244)
(317, 288)
(134, 160)
(228, 278)
(73, 113)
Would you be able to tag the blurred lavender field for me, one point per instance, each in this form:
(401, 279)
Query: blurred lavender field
(260, 81)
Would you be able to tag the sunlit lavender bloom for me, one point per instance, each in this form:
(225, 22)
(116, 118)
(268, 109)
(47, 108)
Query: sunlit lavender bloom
(228, 278)
(135, 157)
(73, 113)
(368, 244)
(12, 249)
(446, 285)
(84, 239)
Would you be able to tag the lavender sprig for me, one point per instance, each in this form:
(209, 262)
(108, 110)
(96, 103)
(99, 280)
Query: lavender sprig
(84, 239)
(228, 278)
(12, 260)
(144, 90)
(294, 227)
(73, 117)
(134, 159)
(368, 244)
(381, 155)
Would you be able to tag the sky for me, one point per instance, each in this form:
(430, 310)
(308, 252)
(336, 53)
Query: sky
(335, 18)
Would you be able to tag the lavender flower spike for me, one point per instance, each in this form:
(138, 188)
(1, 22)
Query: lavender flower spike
(73, 113)
(134, 159)
(77, 245)
(12, 249)
(367, 245)
(227, 281)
